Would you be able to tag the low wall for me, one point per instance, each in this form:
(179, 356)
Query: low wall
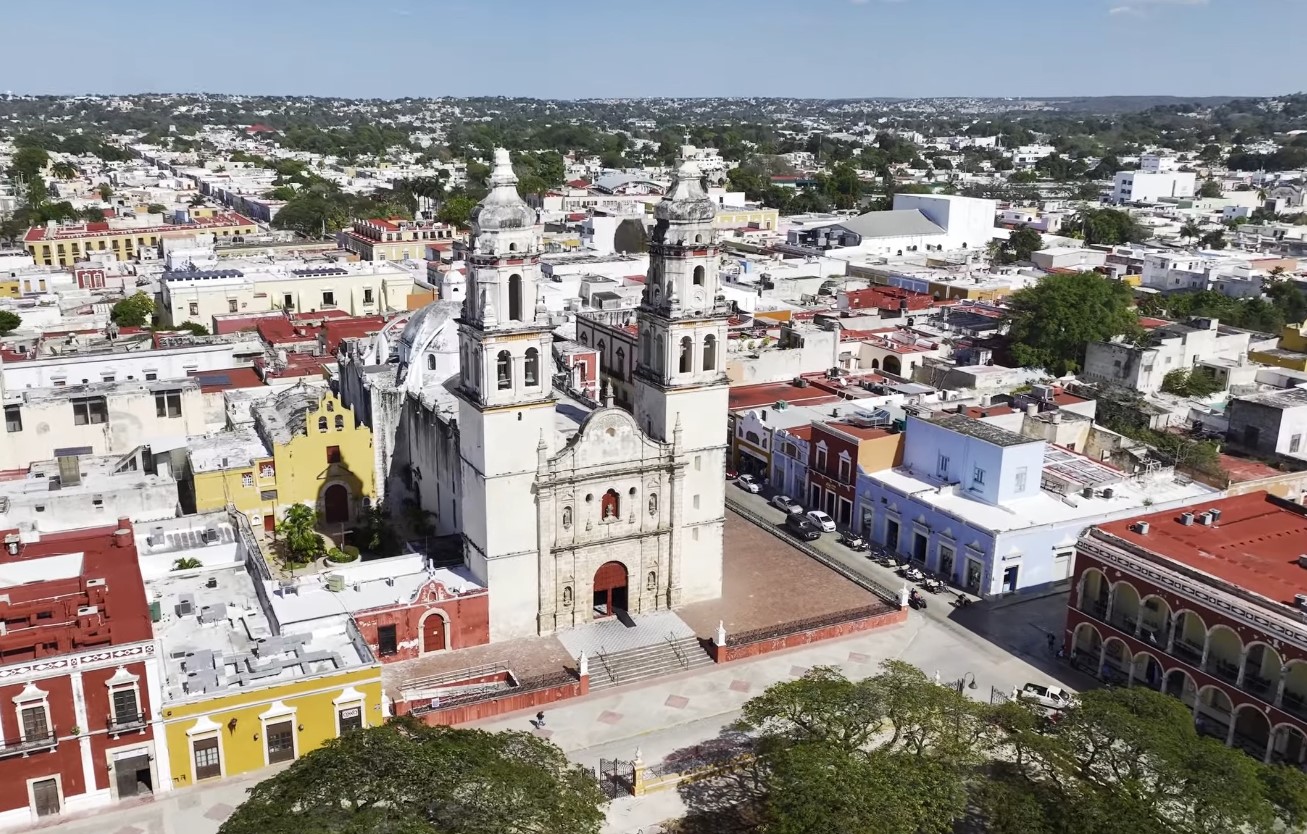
(526, 696)
(753, 648)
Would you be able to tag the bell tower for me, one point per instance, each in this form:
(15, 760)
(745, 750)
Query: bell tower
(681, 384)
(506, 408)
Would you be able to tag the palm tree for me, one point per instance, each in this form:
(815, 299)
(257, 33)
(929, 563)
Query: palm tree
(1190, 230)
(63, 170)
(297, 530)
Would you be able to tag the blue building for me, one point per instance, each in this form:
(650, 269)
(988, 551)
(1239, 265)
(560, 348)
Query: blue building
(995, 512)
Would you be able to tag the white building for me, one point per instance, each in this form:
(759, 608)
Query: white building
(1168, 348)
(1151, 187)
(142, 365)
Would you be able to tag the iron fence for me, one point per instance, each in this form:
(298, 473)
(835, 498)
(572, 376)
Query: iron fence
(797, 626)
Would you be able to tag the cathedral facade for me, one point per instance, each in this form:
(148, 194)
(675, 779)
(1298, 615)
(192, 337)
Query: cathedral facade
(569, 513)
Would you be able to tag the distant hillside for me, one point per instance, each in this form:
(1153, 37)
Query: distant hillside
(1130, 104)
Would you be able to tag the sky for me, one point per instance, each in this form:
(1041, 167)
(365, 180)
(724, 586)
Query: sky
(630, 48)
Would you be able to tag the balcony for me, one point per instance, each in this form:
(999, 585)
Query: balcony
(29, 745)
(125, 722)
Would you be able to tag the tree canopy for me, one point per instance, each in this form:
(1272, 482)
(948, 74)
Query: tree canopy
(1107, 227)
(133, 311)
(9, 322)
(1051, 323)
(1019, 246)
(408, 778)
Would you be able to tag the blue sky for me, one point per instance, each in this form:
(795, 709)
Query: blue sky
(588, 48)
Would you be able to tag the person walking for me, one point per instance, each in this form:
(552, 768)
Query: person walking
(540, 718)
(1051, 641)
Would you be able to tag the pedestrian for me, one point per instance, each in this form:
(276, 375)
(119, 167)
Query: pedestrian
(1051, 641)
(540, 718)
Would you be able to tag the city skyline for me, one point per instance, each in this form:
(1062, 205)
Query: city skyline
(583, 49)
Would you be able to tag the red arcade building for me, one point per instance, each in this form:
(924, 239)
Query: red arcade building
(77, 669)
(1209, 606)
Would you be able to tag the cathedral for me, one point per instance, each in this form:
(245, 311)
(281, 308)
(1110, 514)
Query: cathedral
(567, 511)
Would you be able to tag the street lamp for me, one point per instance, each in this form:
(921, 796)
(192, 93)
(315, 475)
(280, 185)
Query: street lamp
(968, 680)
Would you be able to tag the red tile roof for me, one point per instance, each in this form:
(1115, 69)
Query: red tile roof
(753, 396)
(227, 379)
(978, 412)
(83, 230)
(1255, 545)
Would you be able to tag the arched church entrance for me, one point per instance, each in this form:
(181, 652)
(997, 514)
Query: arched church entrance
(336, 504)
(433, 633)
(609, 589)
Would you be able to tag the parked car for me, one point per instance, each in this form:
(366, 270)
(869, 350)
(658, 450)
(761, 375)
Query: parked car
(800, 526)
(1049, 697)
(852, 540)
(786, 503)
(749, 484)
(824, 523)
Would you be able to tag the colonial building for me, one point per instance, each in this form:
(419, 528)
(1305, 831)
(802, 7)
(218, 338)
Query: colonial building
(1206, 606)
(567, 513)
(395, 239)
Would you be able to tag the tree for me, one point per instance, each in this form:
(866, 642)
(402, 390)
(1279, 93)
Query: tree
(9, 322)
(156, 208)
(408, 778)
(1190, 230)
(456, 210)
(1210, 188)
(1107, 226)
(297, 531)
(63, 170)
(133, 311)
(1019, 246)
(1051, 323)
(105, 190)
(28, 162)
(194, 328)
(1198, 382)
(1214, 239)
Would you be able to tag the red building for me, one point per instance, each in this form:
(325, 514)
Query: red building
(77, 674)
(835, 451)
(1208, 606)
(445, 613)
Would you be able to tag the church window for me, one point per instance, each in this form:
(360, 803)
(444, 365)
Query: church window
(322, 424)
(698, 276)
(600, 348)
(331, 406)
(653, 504)
(709, 352)
(515, 297)
(644, 350)
(531, 373)
(698, 238)
(660, 355)
(340, 422)
(621, 362)
(687, 355)
(431, 361)
(567, 518)
(585, 338)
(632, 491)
(504, 369)
(512, 247)
(610, 505)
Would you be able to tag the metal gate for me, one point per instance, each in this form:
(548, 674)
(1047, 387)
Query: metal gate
(998, 696)
(616, 778)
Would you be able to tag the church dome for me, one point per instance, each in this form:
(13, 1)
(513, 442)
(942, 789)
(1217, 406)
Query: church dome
(422, 328)
(503, 207)
(686, 200)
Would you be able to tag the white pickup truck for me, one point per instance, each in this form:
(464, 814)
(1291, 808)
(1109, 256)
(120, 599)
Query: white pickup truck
(1049, 697)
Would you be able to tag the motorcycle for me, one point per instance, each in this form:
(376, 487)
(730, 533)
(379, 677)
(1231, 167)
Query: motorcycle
(932, 584)
(916, 600)
(912, 574)
(962, 601)
(853, 541)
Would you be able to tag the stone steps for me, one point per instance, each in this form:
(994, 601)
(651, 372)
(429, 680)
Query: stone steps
(647, 662)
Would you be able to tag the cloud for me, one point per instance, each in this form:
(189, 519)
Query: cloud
(1119, 11)
(1141, 8)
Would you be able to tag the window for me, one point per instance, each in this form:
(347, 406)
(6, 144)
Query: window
(350, 718)
(35, 722)
(288, 302)
(168, 404)
(232, 305)
(610, 505)
(1294, 442)
(322, 424)
(126, 709)
(531, 373)
(653, 504)
(710, 352)
(978, 476)
(340, 422)
(941, 466)
(89, 410)
(387, 641)
(151, 376)
(687, 355)
(13, 418)
(208, 762)
(567, 518)
(247, 479)
(846, 469)
(431, 361)
(621, 362)
(504, 370)
(698, 276)
(328, 298)
(333, 454)
(367, 295)
(281, 741)
(194, 308)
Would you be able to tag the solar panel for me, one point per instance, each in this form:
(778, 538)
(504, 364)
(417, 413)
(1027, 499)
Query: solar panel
(213, 379)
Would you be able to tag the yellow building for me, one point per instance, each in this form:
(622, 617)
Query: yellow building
(305, 447)
(250, 676)
(1291, 352)
(11, 289)
(124, 238)
(739, 217)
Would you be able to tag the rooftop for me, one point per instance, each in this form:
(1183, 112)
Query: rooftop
(893, 223)
(1254, 545)
(226, 449)
(1292, 398)
(981, 430)
(74, 231)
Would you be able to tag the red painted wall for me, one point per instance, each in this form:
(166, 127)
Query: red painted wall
(509, 703)
(65, 760)
(725, 654)
(98, 705)
(469, 621)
